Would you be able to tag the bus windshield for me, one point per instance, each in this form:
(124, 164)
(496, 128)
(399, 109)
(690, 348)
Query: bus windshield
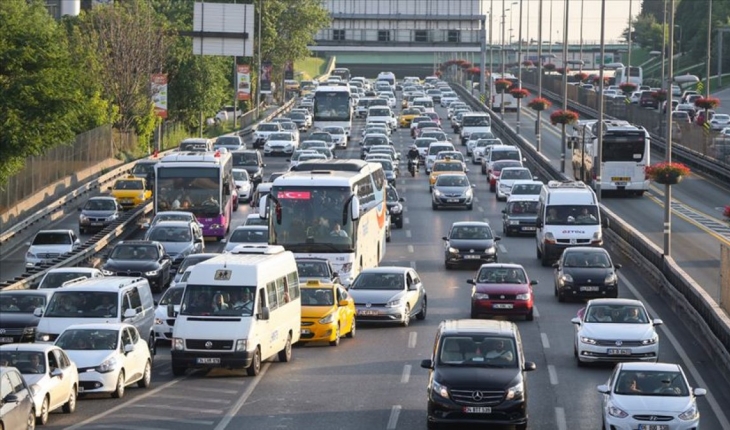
(624, 147)
(195, 189)
(331, 106)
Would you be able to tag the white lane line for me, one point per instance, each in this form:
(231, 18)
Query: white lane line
(410, 248)
(535, 313)
(394, 414)
(406, 220)
(408, 233)
(480, 209)
(123, 427)
(543, 336)
(180, 408)
(560, 418)
(553, 374)
(476, 199)
(241, 400)
(412, 337)
(212, 390)
(502, 249)
(413, 264)
(716, 409)
(406, 375)
(198, 399)
(171, 419)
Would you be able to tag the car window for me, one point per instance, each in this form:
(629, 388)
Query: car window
(378, 281)
(16, 382)
(5, 385)
(502, 275)
(126, 337)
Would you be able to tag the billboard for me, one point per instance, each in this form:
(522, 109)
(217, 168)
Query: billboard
(158, 89)
(267, 69)
(223, 29)
(289, 70)
(243, 82)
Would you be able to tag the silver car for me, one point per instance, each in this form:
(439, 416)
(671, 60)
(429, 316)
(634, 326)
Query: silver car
(178, 238)
(452, 190)
(389, 294)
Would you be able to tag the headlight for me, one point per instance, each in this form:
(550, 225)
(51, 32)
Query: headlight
(436, 193)
(35, 389)
(490, 251)
(112, 217)
(152, 273)
(43, 337)
(178, 344)
(597, 237)
(215, 226)
(525, 296)
(107, 366)
(616, 412)
(240, 345)
(83, 218)
(610, 279)
(441, 390)
(653, 340)
(515, 391)
(141, 195)
(468, 192)
(396, 209)
(158, 321)
(588, 340)
(329, 319)
(453, 250)
(107, 272)
(394, 303)
(480, 296)
(566, 278)
(690, 414)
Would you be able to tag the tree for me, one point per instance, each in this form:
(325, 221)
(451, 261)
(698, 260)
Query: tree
(44, 99)
(647, 32)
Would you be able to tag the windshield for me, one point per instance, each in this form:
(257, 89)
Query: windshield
(651, 383)
(56, 279)
(578, 214)
(392, 194)
(375, 140)
(505, 155)
(318, 297)
(295, 156)
(522, 208)
(268, 127)
(142, 169)
(192, 260)
(321, 136)
(218, 300)
(21, 303)
(280, 136)
(586, 259)
(439, 136)
(172, 217)
(100, 205)
(88, 340)
(516, 174)
(195, 189)
(378, 281)
(478, 351)
(134, 252)
(452, 181)
(27, 362)
(424, 103)
(448, 167)
(424, 143)
(82, 304)
(499, 165)
(172, 296)
(313, 269)
(310, 144)
(297, 116)
(228, 141)
(471, 232)
(526, 189)
(379, 112)
(240, 175)
(52, 239)
(170, 234)
(475, 121)
(624, 148)
(247, 235)
(332, 106)
(245, 159)
(334, 130)
(501, 275)
(435, 149)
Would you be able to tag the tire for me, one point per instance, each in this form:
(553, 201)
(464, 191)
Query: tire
(336, 342)
(42, 419)
(399, 224)
(555, 290)
(82, 230)
(473, 314)
(434, 206)
(285, 354)
(70, 406)
(545, 261)
(506, 232)
(447, 265)
(255, 368)
(492, 188)
(470, 207)
(406, 317)
(530, 316)
(561, 297)
(178, 370)
(424, 310)
(538, 252)
(118, 393)
(30, 422)
(353, 329)
(387, 238)
(521, 426)
(146, 380)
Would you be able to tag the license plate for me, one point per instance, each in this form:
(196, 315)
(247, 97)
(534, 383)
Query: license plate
(620, 179)
(208, 360)
(367, 313)
(653, 427)
(528, 228)
(6, 340)
(503, 306)
(97, 224)
(471, 257)
(305, 331)
(507, 103)
(127, 200)
(589, 288)
(477, 410)
(452, 200)
(621, 184)
(614, 351)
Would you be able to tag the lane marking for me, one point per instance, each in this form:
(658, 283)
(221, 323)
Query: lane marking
(543, 336)
(688, 219)
(476, 199)
(535, 313)
(406, 220)
(239, 404)
(394, 414)
(123, 427)
(181, 408)
(410, 249)
(198, 399)
(412, 337)
(406, 375)
(408, 233)
(480, 209)
(718, 411)
(502, 249)
(212, 390)
(553, 374)
(560, 418)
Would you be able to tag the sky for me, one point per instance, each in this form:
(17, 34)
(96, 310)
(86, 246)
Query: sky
(617, 18)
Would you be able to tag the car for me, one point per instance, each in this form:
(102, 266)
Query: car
(109, 356)
(477, 375)
(437, 134)
(130, 191)
(470, 242)
(719, 121)
(18, 408)
(422, 143)
(502, 289)
(448, 98)
(301, 155)
(615, 330)
(52, 376)
(164, 322)
(262, 132)
(310, 144)
(289, 126)
(275, 175)
(480, 148)
(60, 276)
(140, 258)
(178, 238)
(190, 261)
(372, 140)
(507, 177)
(318, 269)
(389, 167)
(494, 169)
(474, 138)
(174, 216)
(306, 113)
(232, 142)
(247, 235)
(389, 294)
(17, 320)
(253, 162)
(98, 212)
(49, 244)
(585, 272)
(395, 207)
(452, 190)
(406, 116)
(145, 168)
(526, 188)
(280, 143)
(376, 128)
(300, 120)
(244, 186)
(324, 136)
(640, 395)
(339, 136)
(520, 215)
(328, 312)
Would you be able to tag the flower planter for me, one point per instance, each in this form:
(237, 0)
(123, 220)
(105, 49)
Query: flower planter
(671, 178)
(667, 173)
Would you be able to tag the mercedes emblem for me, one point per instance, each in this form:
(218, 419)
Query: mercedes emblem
(2, 331)
(619, 343)
(367, 305)
(208, 345)
(501, 297)
(477, 396)
(589, 281)
(471, 250)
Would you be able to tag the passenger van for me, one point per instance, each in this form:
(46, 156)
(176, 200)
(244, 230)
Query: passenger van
(113, 299)
(568, 214)
(237, 310)
(474, 122)
(196, 145)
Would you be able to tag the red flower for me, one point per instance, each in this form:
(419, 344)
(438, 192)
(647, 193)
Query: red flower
(580, 76)
(562, 70)
(539, 104)
(549, 67)
(707, 102)
(628, 87)
(660, 95)
(664, 169)
(474, 71)
(519, 93)
(502, 85)
(563, 117)
(528, 63)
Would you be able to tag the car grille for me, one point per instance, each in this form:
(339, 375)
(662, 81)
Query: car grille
(577, 241)
(48, 255)
(652, 418)
(502, 297)
(127, 273)
(307, 323)
(86, 369)
(11, 332)
(468, 397)
(374, 305)
(97, 219)
(626, 343)
(215, 344)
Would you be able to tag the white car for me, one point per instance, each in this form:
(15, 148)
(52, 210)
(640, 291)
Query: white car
(51, 375)
(292, 128)
(109, 356)
(307, 115)
(448, 98)
(614, 330)
(172, 216)
(474, 138)
(308, 155)
(280, 143)
(339, 136)
(49, 244)
(244, 188)
(255, 219)
(377, 128)
(173, 296)
(263, 131)
(56, 278)
(507, 178)
(649, 396)
(247, 235)
(720, 121)
(531, 188)
(480, 148)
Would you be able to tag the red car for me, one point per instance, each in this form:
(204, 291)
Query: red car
(502, 289)
(495, 170)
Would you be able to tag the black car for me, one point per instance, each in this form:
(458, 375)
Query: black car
(585, 272)
(99, 212)
(395, 208)
(17, 322)
(470, 242)
(140, 258)
(252, 162)
(477, 375)
(318, 269)
(519, 216)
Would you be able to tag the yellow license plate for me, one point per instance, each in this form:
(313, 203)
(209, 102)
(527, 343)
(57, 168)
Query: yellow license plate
(620, 178)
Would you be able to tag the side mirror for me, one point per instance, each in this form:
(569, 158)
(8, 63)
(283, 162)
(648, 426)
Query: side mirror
(288, 160)
(130, 313)
(534, 282)
(171, 310)
(556, 265)
(444, 238)
(146, 225)
(343, 302)
(11, 398)
(698, 392)
(166, 257)
(605, 222)
(224, 240)
(128, 348)
(263, 213)
(497, 238)
(575, 321)
(471, 282)
(402, 199)
(657, 322)
(108, 188)
(355, 209)
(80, 209)
(617, 266)
(427, 364)
(265, 314)
(155, 303)
(57, 373)
(538, 223)
(38, 312)
(529, 366)
(603, 389)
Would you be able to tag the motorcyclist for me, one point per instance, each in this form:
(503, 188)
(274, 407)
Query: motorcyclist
(413, 155)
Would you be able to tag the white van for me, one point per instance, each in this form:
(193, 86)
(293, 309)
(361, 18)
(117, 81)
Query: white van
(388, 77)
(568, 214)
(433, 150)
(424, 102)
(382, 114)
(112, 299)
(473, 122)
(237, 310)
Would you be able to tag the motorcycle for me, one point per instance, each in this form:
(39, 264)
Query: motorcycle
(413, 166)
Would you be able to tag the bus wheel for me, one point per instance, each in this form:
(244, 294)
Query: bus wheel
(285, 354)
(255, 368)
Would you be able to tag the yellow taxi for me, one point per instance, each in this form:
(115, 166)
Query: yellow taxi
(328, 312)
(307, 89)
(130, 191)
(406, 117)
(447, 165)
(291, 85)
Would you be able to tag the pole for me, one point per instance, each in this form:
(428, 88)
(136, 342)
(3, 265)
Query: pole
(519, 68)
(538, 137)
(664, 46)
(483, 59)
(490, 102)
(563, 137)
(598, 159)
(668, 155)
(709, 47)
(504, 59)
(550, 33)
(258, 70)
(527, 36)
(235, 90)
(581, 36)
(628, 66)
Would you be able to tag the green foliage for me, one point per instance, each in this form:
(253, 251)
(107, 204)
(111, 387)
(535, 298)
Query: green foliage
(648, 32)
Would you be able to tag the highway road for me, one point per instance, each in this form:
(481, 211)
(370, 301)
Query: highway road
(374, 381)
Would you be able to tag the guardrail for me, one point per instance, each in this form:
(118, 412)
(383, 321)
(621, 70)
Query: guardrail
(707, 315)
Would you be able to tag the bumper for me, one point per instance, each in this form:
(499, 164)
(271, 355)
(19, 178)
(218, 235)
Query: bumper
(191, 359)
(163, 331)
(588, 353)
(520, 228)
(379, 314)
(468, 258)
(396, 218)
(501, 307)
(95, 225)
(444, 411)
(629, 423)
(315, 332)
(628, 186)
(503, 193)
(12, 335)
(278, 151)
(451, 201)
(95, 382)
(589, 291)
(214, 232)
(244, 196)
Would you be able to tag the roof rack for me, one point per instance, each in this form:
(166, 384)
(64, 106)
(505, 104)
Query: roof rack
(566, 184)
(257, 249)
(74, 281)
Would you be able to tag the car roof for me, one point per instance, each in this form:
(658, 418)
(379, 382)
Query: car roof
(453, 327)
(251, 227)
(54, 231)
(514, 168)
(614, 302)
(502, 266)
(315, 283)
(178, 213)
(171, 224)
(102, 198)
(311, 259)
(523, 197)
(99, 326)
(30, 347)
(656, 367)
(73, 270)
(446, 175)
(593, 249)
(470, 224)
(386, 269)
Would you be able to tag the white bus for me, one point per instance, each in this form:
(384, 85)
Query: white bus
(633, 74)
(625, 154)
(333, 107)
(388, 77)
(510, 103)
(237, 310)
(331, 209)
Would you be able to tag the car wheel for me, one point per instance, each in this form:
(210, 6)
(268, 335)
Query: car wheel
(178, 370)
(42, 419)
(470, 206)
(447, 265)
(538, 252)
(82, 230)
(579, 362)
(118, 393)
(406, 317)
(353, 329)
(521, 426)
(474, 315)
(70, 406)
(399, 223)
(561, 297)
(434, 206)
(146, 380)
(255, 368)
(30, 422)
(424, 309)
(492, 188)
(530, 316)
(545, 261)
(555, 290)
(506, 232)
(285, 354)
(336, 341)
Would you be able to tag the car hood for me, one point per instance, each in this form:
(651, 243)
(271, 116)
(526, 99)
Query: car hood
(97, 214)
(652, 405)
(475, 244)
(451, 190)
(84, 358)
(20, 320)
(374, 296)
(520, 217)
(315, 311)
(34, 378)
(588, 275)
(175, 248)
(608, 331)
(49, 248)
(252, 169)
(132, 265)
(471, 377)
(507, 289)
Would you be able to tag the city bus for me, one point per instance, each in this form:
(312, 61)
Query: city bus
(333, 107)
(342, 72)
(510, 103)
(625, 154)
(633, 74)
(198, 182)
(338, 214)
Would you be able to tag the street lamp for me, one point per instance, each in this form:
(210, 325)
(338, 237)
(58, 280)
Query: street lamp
(668, 153)
(514, 3)
(519, 67)
(538, 137)
(563, 137)
(679, 43)
(504, 58)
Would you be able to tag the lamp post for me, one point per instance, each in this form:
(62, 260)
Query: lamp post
(504, 59)
(664, 46)
(563, 138)
(519, 68)
(581, 36)
(668, 154)
(709, 47)
(599, 144)
(679, 44)
(538, 138)
(550, 31)
(514, 3)
(491, 56)
(628, 65)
